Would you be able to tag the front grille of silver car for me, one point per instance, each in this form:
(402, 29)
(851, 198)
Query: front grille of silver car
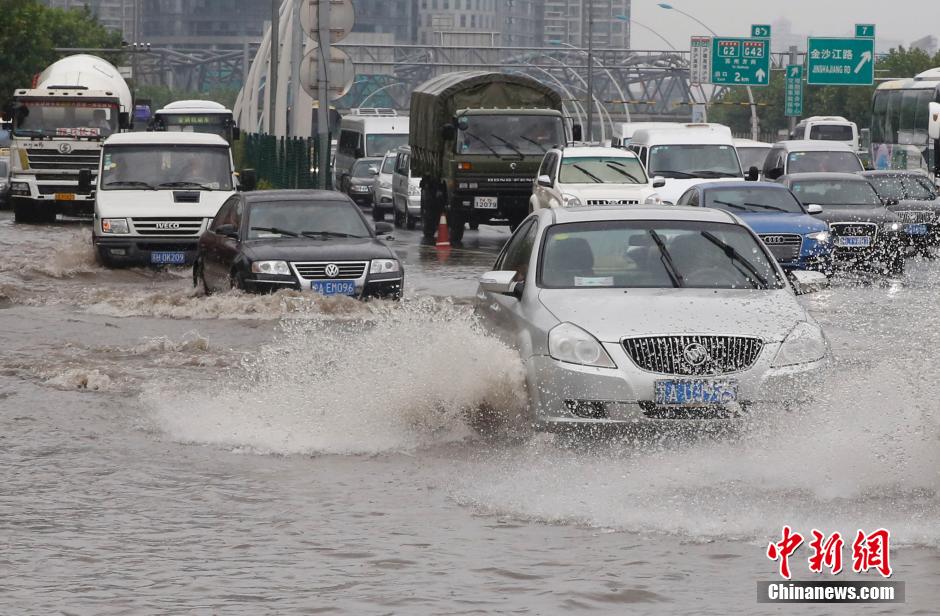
(347, 270)
(612, 202)
(783, 246)
(916, 217)
(694, 355)
(172, 227)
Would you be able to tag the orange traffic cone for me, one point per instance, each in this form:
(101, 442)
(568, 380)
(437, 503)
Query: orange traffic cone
(443, 234)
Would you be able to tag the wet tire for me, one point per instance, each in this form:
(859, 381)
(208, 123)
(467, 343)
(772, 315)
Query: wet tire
(199, 279)
(474, 226)
(430, 214)
(24, 212)
(398, 218)
(378, 214)
(411, 222)
(455, 225)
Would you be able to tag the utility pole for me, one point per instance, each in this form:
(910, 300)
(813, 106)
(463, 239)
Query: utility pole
(272, 78)
(793, 58)
(590, 67)
(323, 94)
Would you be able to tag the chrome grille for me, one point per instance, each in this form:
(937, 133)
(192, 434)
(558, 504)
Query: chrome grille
(783, 246)
(175, 227)
(854, 228)
(612, 202)
(915, 217)
(53, 159)
(668, 354)
(348, 270)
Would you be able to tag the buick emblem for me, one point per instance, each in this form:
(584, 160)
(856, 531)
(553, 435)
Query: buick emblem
(65, 148)
(696, 354)
(331, 270)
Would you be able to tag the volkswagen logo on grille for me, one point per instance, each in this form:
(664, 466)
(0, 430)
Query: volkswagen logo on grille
(696, 354)
(774, 239)
(331, 270)
(168, 225)
(65, 148)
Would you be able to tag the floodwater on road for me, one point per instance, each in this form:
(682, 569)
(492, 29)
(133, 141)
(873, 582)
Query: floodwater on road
(165, 453)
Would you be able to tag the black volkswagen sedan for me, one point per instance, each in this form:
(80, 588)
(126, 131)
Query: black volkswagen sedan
(310, 240)
(864, 232)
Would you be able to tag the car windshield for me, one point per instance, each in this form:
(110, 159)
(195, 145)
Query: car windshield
(601, 169)
(311, 219)
(167, 167)
(654, 254)
(700, 161)
(509, 136)
(901, 187)
(752, 157)
(833, 162)
(379, 144)
(831, 132)
(64, 118)
(835, 192)
(388, 165)
(766, 200)
(363, 168)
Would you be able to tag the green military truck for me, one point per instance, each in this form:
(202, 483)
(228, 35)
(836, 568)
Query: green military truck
(477, 139)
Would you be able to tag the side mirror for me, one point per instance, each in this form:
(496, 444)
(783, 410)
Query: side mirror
(448, 132)
(933, 121)
(576, 133)
(249, 180)
(659, 181)
(503, 283)
(373, 170)
(124, 120)
(236, 133)
(813, 209)
(384, 228)
(229, 231)
(753, 174)
(774, 174)
(808, 282)
(84, 179)
(545, 181)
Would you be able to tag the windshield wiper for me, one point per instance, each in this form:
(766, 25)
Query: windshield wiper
(328, 234)
(534, 142)
(736, 258)
(666, 260)
(485, 143)
(275, 230)
(675, 174)
(596, 179)
(130, 183)
(748, 204)
(708, 173)
(509, 145)
(184, 184)
(616, 167)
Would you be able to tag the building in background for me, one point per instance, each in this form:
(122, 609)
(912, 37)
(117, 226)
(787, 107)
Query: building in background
(522, 22)
(928, 44)
(212, 24)
(395, 17)
(567, 22)
(459, 22)
(119, 15)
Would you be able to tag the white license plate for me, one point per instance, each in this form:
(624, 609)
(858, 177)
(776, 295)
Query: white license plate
(484, 203)
(853, 241)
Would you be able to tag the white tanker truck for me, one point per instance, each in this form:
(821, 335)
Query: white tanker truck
(58, 127)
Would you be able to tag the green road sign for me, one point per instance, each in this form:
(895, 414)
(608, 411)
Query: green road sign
(864, 30)
(740, 61)
(840, 61)
(761, 31)
(794, 91)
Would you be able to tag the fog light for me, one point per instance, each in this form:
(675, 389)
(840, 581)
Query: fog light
(587, 409)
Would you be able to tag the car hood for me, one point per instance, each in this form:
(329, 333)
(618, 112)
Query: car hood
(782, 223)
(612, 314)
(158, 203)
(911, 205)
(362, 181)
(676, 187)
(335, 249)
(856, 213)
(608, 191)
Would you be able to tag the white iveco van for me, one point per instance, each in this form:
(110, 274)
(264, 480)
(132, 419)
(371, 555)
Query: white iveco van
(367, 133)
(156, 193)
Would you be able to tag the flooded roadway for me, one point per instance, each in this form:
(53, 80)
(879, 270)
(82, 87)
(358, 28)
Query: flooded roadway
(165, 453)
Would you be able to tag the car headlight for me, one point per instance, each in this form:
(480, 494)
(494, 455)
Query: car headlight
(19, 188)
(279, 268)
(114, 225)
(384, 266)
(571, 200)
(654, 199)
(569, 343)
(821, 237)
(891, 226)
(804, 344)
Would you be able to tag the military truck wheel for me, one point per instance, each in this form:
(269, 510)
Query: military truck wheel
(515, 220)
(455, 225)
(411, 222)
(430, 214)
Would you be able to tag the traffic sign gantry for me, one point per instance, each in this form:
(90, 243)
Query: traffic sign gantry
(740, 61)
(840, 61)
(760, 31)
(700, 65)
(794, 91)
(864, 30)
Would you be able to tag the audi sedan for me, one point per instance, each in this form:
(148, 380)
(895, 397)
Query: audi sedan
(649, 314)
(307, 240)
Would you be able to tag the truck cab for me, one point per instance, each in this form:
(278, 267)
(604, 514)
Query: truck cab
(156, 193)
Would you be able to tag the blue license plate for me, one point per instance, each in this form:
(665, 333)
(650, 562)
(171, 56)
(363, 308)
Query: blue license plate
(696, 392)
(168, 258)
(854, 241)
(920, 229)
(334, 287)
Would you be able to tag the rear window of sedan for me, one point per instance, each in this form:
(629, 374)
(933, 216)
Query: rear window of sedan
(654, 254)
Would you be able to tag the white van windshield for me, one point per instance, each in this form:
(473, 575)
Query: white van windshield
(694, 161)
(378, 145)
(166, 167)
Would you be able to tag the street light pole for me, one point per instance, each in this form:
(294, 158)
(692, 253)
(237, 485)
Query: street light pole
(590, 77)
(272, 80)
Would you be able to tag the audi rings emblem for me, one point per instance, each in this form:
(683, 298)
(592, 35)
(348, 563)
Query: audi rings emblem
(774, 239)
(696, 354)
(331, 270)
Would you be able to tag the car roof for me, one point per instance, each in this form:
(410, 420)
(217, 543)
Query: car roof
(589, 150)
(825, 175)
(814, 145)
(633, 212)
(689, 135)
(165, 138)
(267, 196)
(894, 173)
(750, 143)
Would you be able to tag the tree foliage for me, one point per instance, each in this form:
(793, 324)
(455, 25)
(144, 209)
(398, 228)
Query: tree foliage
(852, 102)
(30, 32)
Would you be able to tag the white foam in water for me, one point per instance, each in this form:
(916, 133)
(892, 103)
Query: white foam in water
(394, 379)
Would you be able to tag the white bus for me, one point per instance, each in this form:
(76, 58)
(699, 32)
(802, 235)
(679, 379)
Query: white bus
(196, 117)
(900, 116)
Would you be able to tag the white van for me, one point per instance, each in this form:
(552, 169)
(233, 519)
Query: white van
(827, 128)
(752, 153)
(367, 133)
(406, 191)
(156, 193)
(805, 156)
(684, 157)
(624, 131)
